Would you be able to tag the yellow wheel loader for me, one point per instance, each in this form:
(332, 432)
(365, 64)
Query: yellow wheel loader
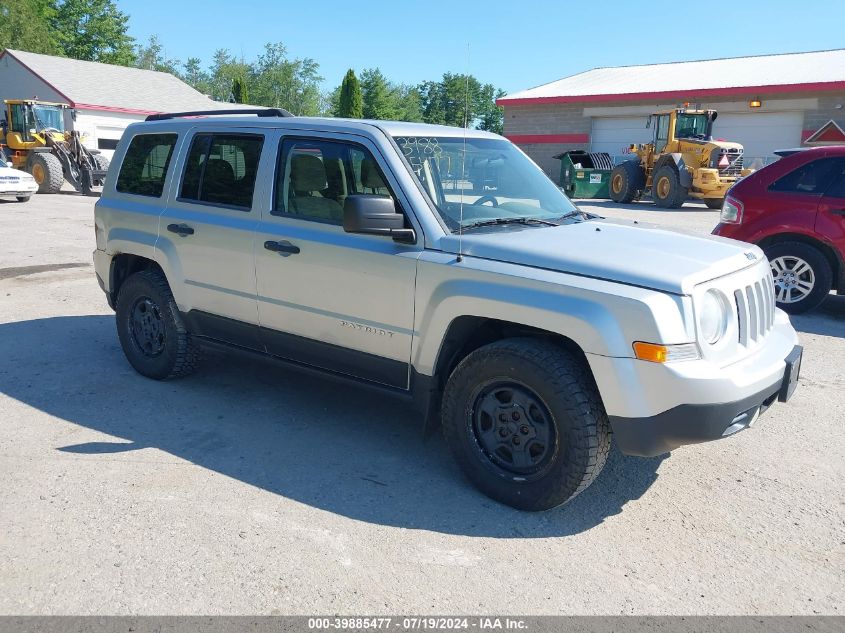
(35, 139)
(682, 161)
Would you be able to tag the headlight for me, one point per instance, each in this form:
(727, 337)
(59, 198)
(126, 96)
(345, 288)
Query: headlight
(713, 316)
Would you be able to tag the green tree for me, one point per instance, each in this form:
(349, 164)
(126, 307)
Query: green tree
(26, 25)
(408, 103)
(195, 76)
(378, 97)
(461, 100)
(223, 72)
(350, 103)
(239, 90)
(293, 84)
(152, 57)
(490, 116)
(93, 30)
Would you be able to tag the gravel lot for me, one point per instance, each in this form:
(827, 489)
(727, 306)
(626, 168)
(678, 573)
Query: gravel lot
(249, 489)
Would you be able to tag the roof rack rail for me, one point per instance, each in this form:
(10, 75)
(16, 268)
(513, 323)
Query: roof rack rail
(262, 112)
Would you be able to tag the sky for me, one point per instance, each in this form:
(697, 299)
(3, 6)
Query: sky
(514, 45)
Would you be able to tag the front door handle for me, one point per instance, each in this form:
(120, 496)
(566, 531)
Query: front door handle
(283, 248)
(181, 229)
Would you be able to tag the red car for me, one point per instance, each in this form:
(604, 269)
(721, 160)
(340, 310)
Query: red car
(794, 210)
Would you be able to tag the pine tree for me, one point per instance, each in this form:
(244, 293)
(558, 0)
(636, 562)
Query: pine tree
(350, 105)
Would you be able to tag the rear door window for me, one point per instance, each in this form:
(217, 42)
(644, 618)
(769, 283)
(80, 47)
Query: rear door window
(837, 188)
(812, 178)
(145, 164)
(221, 169)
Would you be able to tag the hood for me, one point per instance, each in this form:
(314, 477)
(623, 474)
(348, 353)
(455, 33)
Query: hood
(612, 250)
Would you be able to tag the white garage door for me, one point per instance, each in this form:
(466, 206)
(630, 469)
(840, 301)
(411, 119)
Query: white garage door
(760, 133)
(614, 134)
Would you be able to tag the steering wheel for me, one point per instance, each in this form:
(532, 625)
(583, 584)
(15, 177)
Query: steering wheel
(487, 198)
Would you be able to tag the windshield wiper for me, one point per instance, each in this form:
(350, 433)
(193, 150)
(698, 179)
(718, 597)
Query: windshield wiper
(577, 212)
(498, 221)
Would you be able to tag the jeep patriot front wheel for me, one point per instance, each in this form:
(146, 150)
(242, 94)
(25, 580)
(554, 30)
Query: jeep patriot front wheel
(525, 423)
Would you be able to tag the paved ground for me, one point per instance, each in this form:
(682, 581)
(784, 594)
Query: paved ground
(251, 489)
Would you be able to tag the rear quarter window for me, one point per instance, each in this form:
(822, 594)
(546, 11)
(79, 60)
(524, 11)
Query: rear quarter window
(145, 164)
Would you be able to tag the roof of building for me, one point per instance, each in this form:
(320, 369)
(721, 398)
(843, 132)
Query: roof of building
(118, 88)
(794, 72)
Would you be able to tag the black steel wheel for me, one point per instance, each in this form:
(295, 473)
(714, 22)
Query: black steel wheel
(525, 422)
(146, 326)
(513, 428)
(151, 332)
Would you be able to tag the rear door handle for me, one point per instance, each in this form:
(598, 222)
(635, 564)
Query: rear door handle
(181, 229)
(283, 248)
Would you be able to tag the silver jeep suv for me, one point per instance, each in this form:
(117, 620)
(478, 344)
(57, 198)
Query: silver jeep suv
(440, 265)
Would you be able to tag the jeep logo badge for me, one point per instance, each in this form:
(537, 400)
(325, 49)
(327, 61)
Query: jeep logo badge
(751, 256)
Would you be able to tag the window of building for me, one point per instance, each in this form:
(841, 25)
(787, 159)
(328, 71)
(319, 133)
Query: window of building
(221, 169)
(144, 167)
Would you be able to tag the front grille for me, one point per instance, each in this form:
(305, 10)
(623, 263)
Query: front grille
(734, 166)
(755, 308)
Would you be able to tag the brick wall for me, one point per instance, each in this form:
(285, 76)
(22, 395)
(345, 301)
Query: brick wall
(547, 119)
(568, 118)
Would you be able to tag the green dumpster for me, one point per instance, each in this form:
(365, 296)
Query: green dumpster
(585, 174)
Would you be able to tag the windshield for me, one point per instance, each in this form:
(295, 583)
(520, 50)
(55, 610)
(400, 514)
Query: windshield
(692, 126)
(493, 180)
(49, 116)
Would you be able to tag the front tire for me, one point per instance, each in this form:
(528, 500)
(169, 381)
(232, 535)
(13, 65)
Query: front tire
(151, 332)
(48, 173)
(23, 198)
(101, 162)
(666, 189)
(626, 181)
(802, 276)
(525, 423)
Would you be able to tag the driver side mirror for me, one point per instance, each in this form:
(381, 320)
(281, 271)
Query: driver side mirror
(10, 164)
(375, 215)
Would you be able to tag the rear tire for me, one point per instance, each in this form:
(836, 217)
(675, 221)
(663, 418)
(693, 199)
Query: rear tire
(101, 162)
(714, 203)
(48, 173)
(151, 332)
(666, 189)
(626, 181)
(802, 275)
(23, 198)
(525, 423)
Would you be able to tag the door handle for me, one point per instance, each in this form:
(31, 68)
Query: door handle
(283, 248)
(181, 229)
(838, 211)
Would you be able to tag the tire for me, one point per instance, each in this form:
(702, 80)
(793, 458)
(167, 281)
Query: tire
(626, 181)
(151, 332)
(714, 203)
(101, 162)
(802, 274)
(666, 189)
(47, 171)
(23, 198)
(568, 431)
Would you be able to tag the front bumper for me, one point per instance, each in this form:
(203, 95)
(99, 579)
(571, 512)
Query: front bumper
(696, 423)
(19, 193)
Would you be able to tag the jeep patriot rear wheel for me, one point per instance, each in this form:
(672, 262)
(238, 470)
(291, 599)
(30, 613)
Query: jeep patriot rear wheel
(151, 332)
(525, 423)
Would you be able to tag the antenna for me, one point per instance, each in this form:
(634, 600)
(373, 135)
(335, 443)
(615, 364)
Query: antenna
(460, 257)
